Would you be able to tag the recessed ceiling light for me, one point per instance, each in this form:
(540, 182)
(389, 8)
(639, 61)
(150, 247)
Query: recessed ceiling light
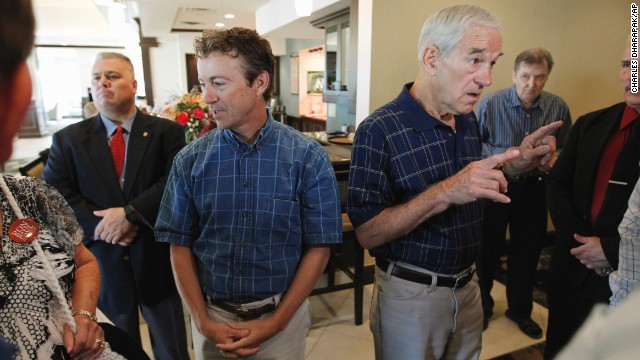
(229, 16)
(220, 24)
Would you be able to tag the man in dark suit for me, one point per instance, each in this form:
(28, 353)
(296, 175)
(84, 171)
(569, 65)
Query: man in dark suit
(587, 194)
(112, 170)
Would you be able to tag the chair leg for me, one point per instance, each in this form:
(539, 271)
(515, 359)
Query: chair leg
(358, 281)
(331, 269)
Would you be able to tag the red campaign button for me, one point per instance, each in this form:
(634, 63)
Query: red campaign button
(23, 231)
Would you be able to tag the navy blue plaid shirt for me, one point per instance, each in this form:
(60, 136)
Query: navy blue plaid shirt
(398, 152)
(504, 122)
(246, 211)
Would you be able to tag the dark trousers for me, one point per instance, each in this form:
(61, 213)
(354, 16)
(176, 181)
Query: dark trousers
(526, 217)
(570, 306)
(167, 328)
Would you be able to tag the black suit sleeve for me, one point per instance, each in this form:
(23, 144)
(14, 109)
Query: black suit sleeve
(59, 173)
(147, 202)
(566, 217)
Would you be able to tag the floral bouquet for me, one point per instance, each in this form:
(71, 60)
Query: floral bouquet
(191, 112)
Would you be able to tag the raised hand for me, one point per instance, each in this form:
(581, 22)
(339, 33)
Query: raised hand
(480, 180)
(537, 150)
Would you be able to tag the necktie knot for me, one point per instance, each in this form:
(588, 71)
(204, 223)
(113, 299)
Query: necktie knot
(118, 148)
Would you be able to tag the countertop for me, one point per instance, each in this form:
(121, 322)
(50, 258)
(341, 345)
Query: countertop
(338, 154)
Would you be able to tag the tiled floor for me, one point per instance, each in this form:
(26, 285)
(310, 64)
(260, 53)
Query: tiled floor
(333, 330)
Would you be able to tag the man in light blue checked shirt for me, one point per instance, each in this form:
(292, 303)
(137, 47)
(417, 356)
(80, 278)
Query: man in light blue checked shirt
(506, 117)
(250, 210)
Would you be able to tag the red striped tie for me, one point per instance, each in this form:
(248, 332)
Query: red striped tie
(117, 150)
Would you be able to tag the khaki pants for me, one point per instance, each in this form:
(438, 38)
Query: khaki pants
(410, 322)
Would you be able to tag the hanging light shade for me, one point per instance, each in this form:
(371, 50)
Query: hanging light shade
(303, 7)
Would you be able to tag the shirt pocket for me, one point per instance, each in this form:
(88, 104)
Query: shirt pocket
(280, 215)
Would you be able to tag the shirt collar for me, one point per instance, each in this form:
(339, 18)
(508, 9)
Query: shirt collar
(418, 118)
(628, 116)
(514, 100)
(110, 126)
(263, 134)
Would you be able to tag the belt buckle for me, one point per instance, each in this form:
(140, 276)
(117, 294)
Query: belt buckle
(240, 311)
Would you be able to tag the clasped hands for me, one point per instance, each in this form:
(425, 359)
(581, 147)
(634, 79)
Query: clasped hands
(591, 255)
(481, 179)
(235, 340)
(114, 228)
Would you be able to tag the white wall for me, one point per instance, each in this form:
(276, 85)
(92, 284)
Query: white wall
(365, 8)
(168, 65)
(585, 37)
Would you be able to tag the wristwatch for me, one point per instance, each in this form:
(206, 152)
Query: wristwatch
(88, 313)
(131, 215)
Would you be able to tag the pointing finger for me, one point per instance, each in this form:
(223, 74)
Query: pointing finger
(495, 160)
(545, 131)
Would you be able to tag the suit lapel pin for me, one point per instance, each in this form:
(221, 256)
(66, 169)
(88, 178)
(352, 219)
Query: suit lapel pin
(145, 134)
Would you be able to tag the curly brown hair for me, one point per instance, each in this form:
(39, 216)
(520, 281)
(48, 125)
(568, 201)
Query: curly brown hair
(246, 44)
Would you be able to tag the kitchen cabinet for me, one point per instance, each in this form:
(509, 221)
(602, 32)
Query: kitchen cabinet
(311, 124)
(340, 81)
(306, 124)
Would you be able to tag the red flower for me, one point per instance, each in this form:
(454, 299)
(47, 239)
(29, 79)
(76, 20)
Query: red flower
(183, 118)
(198, 113)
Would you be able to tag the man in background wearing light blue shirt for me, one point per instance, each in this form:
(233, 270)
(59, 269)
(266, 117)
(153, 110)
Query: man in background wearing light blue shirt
(506, 117)
(250, 210)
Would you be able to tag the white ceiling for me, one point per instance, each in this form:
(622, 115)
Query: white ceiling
(84, 22)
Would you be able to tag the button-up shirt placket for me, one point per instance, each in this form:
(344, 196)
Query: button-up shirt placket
(245, 234)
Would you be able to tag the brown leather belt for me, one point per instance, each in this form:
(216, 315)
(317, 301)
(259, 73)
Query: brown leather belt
(242, 312)
(421, 278)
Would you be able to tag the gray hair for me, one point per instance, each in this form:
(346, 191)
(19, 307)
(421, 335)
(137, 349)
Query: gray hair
(533, 56)
(445, 28)
(116, 55)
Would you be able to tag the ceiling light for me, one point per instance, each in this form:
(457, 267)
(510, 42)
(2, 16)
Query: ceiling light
(303, 7)
(229, 16)
(220, 24)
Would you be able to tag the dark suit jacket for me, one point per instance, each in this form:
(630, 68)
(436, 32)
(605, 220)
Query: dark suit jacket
(570, 190)
(81, 168)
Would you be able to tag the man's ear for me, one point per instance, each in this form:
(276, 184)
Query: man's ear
(261, 83)
(430, 59)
